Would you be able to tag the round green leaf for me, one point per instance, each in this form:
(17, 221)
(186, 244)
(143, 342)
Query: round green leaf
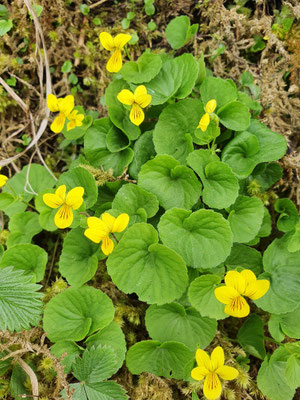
(139, 264)
(77, 313)
(30, 258)
(179, 31)
(270, 175)
(143, 151)
(223, 91)
(290, 323)
(116, 140)
(245, 218)
(173, 322)
(202, 296)
(202, 238)
(235, 116)
(22, 227)
(143, 70)
(288, 214)
(251, 337)
(173, 184)
(245, 257)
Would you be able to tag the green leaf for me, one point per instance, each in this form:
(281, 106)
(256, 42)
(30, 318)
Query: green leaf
(23, 226)
(66, 346)
(30, 258)
(138, 260)
(173, 322)
(77, 313)
(275, 328)
(78, 261)
(220, 186)
(143, 70)
(136, 202)
(78, 131)
(80, 176)
(202, 297)
(169, 359)
(203, 238)
(66, 67)
(20, 304)
(173, 133)
(288, 217)
(292, 372)
(289, 323)
(188, 73)
(5, 26)
(223, 91)
(235, 116)
(116, 140)
(179, 31)
(173, 184)
(294, 242)
(251, 336)
(112, 336)
(245, 218)
(143, 151)
(202, 70)
(109, 390)
(17, 382)
(271, 376)
(245, 257)
(266, 226)
(270, 175)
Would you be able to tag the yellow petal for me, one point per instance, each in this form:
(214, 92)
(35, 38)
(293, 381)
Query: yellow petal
(58, 124)
(109, 221)
(211, 106)
(96, 223)
(136, 115)
(121, 39)
(235, 280)
(71, 125)
(66, 105)
(238, 308)
(107, 246)
(64, 217)
(198, 373)
(61, 192)
(227, 373)
(74, 197)
(3, 180)
(217, 358)
(141, 97)
(126, 97)
(212, 387)
(52, 103)
(225, 294)
(115, 62)
(95, 235)
(120, 223)
(51, 200)
(257, 289)
(107, 41)
(204, 122)
(248, 275)
(203, 360)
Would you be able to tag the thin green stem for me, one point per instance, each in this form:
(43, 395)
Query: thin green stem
(127, 53)
(272, 340)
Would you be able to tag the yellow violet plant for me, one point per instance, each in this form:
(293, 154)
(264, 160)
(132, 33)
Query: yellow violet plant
(66, 204)
(211, 369)
(209, 109)
(64, 106)
(115, 45)
(137, 100)
(99, 229)
(238, 285)
(3, 179)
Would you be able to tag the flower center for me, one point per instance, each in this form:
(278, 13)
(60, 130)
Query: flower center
(237, 303)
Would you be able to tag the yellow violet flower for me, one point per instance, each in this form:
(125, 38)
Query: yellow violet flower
(211, 368)
(67, 203)
(99, 229)
(209, 109)
(115, 45)
(75, 120)
(64, 106)
(3, 179)
(137, 100)
(237, 285)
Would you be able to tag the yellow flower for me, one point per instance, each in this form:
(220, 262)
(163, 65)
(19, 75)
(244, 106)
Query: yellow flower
(237, 285)
(75, 120)
(211, 368)
(115, 45)
(209, 109)
(3, 179)
(137, 100)
(64, 216)
(64, 106)
(99, 229)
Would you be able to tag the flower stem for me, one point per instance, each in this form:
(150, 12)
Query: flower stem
(114, 237)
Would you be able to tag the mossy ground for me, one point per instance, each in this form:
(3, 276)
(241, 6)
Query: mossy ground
(70, 35)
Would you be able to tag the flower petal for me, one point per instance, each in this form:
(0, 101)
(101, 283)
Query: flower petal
(238, 307)
(211, 106)
(64, 217)
(120, 223)
(126, 97)
(121, 39)
(225, 294)
(109, 221)
(66, 104)
(235, 279)
(61, 192)
(249, 276)
(217, 358)
(115, 62)
(58, 124)
(107, 41)
(74, 197)
(107, 246)
(227, 373)
(203, 360)
(52, 200)
(3, 180)
(97, 223)
(257, 289)
(136, 115)
(198, 373)
(141, 97)
(212, 387)
(71, 125)
(52, 103)
(95, 235)
(204, 122)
